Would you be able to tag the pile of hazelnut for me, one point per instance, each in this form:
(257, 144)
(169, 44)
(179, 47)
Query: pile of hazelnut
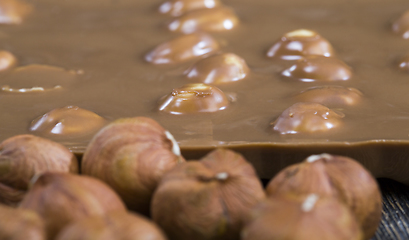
(133, 183)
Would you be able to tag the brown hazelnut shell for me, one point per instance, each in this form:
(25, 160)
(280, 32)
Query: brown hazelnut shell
(60, 198)
(334, 176)
(114, 225)
(20, 224)
(301, 218)
(207, 199)
(131, 155)
(24, 156)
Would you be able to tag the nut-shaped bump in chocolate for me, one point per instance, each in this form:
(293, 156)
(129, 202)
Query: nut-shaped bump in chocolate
(403, 63)
(20, 224)
(114, 225)
(298, 43)
(178, 7)
(37, 78)
(61, 198)
(217, 69)
(131, 155)
(307, 118)
(194, 98)
(68, 121)
(207, 199)
(24, 156)
(13, 11)
(7, 60)
(337, 177)
(401, 25)
(209, 20)
(318, 68)
(301, 218)
(182, 49)
(333, 96)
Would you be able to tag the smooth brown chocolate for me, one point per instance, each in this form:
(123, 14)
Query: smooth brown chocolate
(318, 68)
(299, 43)
(401, 25)
(209, 20)
(178, 7)
(307, 118)
(7, 60)
(218, 69)
(331, 96)
(37, 78)
(194, 98)
(13, 11)
(183, 48)
(68, 122)
(109, 39)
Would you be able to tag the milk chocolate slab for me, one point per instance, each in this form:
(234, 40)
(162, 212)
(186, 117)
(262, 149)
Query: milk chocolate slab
(107, 42)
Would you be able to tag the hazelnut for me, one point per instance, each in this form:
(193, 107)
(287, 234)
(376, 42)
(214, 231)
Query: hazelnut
(401, 25)
(301, 218)
(24, 156)
(218, 69)
(113, 225)
(194, 98)
(61, 198)
(13, 11)
(207, 199)
(307, 117)
(183, 48)
(333, 96)
(209, 20)
(178, 7)
(334, 176)
(37, 78)
(299, 43)
(7, 60)
(20, 224)
(318, 68)
(67, 122)
(131, 155)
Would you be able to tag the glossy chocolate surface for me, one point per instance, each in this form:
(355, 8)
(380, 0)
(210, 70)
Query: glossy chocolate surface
(103, 44)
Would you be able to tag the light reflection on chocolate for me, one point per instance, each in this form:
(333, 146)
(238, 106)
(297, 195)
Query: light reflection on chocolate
(298, 43)
(401, 25)
(209, 20)
(307, 118)
(13, 11)
(403, 63)
(7, 60)
(218, 69)
(194, 98)
(182, 49)
(318, 68)
(36, 78)
(69, 121)
(332, 96)
(178, 7)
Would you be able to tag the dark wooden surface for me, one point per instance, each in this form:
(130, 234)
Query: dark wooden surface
(395, 218)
